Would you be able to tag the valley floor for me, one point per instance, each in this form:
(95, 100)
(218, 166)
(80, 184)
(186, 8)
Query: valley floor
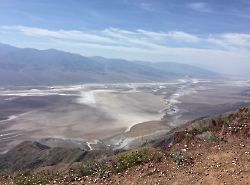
(100, 112)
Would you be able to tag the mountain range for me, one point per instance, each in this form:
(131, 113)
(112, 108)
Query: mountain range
(27, 66)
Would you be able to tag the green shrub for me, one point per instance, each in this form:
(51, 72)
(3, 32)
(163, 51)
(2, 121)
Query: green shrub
(149, 172)
(131, 158)
(180, 158)
(200, 129)
(93, 168)
(120, 162)
(225, 120)
(207, 136)
(4, 173)
(248, 115)
(32, 179)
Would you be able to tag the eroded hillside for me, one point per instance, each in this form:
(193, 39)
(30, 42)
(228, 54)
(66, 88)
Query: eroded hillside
(214, 150)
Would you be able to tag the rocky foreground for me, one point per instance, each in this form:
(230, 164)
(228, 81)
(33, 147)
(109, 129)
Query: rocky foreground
(213, 150)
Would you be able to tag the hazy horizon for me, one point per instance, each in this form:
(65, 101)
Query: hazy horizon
(138, 61)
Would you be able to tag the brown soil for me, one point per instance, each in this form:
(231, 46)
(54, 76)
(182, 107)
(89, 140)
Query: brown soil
(213, 163)
(223, 161)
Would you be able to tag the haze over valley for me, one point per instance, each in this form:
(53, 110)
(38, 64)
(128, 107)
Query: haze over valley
(111, 114)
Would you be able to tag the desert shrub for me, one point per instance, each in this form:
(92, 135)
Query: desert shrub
(32, 179)
(226, 120)
(200, 129)
(4, 173)
(180, 158)
(248, 115)
(157, 156)
(149, 172)
(207, 136)
(93, 167)
(128, 159)
(118, 163)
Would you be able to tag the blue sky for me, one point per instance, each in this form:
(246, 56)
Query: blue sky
(213, 33)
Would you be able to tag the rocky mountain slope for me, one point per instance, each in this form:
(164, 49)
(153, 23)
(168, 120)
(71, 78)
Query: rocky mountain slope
(212, 150)
(53, 67)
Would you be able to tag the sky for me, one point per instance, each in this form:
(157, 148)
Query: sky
(214, 34)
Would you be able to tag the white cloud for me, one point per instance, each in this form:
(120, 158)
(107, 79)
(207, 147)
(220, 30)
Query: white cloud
(139, 38)
(143, 5)
(200, 7)
(149, 36)
(210, 50)
(207, 8)
(147, 6)
(230, 41)
(177, 35)
(59, 34)
(237, 39)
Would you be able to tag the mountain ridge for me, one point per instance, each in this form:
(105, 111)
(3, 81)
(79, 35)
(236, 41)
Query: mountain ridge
(28, 66)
